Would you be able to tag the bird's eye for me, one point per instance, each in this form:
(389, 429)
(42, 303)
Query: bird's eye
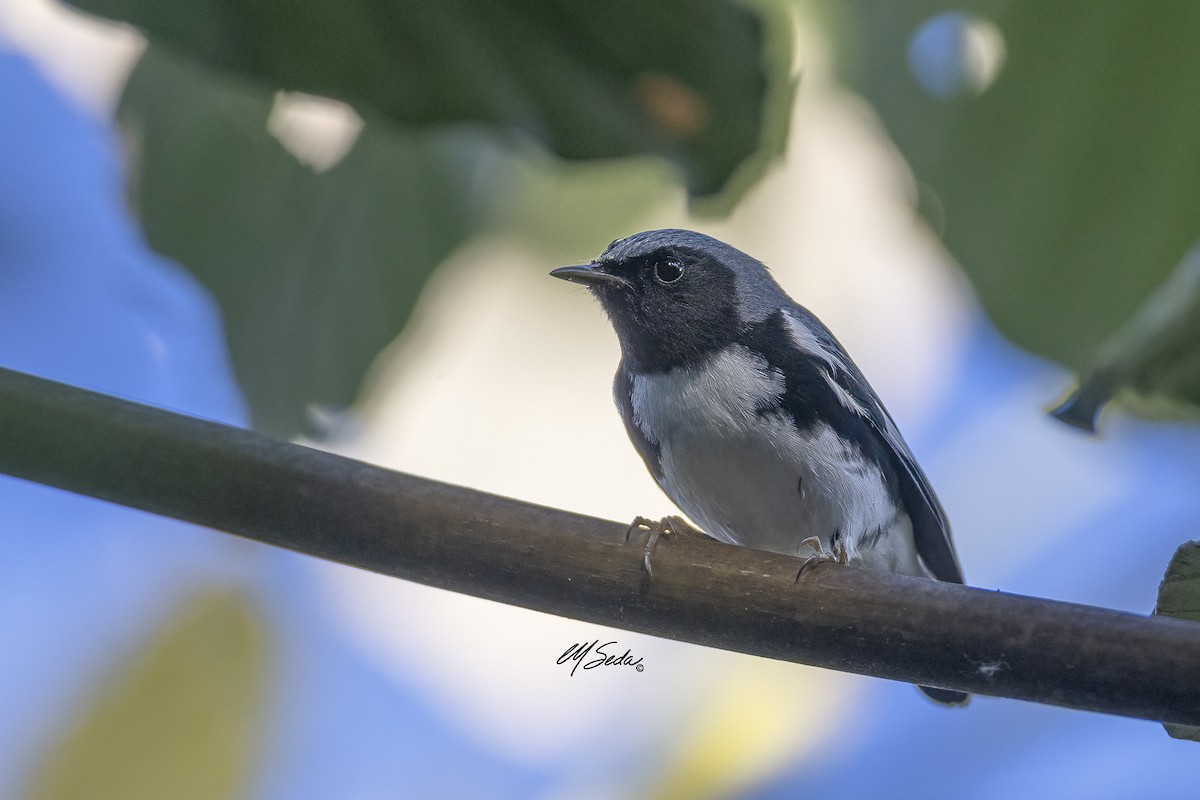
(668, 271)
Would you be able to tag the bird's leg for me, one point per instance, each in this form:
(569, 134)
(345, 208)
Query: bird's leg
(643, 523)
(837, 555)
(667, 526)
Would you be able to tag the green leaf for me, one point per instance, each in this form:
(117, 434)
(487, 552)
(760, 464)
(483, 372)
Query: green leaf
(1156, 354)
(181, 719)
(1179, 596)
(686, 79)
(1068, 189)
(1179, 592)
(315, 272)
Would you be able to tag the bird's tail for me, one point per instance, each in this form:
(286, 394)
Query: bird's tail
(947, 697)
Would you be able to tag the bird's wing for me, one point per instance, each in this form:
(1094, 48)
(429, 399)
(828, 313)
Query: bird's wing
(931, 528)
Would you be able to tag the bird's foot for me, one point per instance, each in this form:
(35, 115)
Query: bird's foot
(820, 555)
(673, 525)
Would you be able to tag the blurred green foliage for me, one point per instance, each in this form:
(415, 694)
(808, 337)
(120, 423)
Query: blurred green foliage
(316, 272)
(181, 720)
(1179, 596)
(683, 78)
(1068, 189)
(1157, 353)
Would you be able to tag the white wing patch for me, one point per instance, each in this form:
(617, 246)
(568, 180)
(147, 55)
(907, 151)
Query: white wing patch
(843, 396)
(804, 338)
(807, 341)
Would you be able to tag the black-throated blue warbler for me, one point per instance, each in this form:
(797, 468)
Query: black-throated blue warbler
(753, 418)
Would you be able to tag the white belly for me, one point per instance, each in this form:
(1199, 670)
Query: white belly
(754, 479)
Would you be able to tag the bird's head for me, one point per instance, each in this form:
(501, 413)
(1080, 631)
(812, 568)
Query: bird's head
(675, 297)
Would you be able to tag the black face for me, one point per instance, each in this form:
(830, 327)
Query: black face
(675, 306)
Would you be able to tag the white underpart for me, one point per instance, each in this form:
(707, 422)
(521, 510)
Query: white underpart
(756, 480)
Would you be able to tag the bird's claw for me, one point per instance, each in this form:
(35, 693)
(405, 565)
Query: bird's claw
(667, 526)
(820, 555)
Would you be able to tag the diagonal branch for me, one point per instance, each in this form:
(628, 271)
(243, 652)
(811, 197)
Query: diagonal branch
(704, 592)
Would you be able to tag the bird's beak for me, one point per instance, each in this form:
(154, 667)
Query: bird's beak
(589, 275)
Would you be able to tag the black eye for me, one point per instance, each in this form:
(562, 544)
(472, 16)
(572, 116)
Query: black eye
(668, 271)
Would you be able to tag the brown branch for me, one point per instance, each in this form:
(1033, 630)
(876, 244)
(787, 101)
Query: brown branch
(575, 566)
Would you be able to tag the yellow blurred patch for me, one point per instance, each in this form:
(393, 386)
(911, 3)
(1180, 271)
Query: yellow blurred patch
(761, 717)
(180, 719)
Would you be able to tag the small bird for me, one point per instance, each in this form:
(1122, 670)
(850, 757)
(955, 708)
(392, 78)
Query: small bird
(752, 417)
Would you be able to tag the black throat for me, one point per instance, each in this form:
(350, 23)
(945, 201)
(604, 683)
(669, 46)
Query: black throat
(661, 331)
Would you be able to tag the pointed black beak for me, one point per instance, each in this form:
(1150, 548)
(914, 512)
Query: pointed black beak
(589, 275)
